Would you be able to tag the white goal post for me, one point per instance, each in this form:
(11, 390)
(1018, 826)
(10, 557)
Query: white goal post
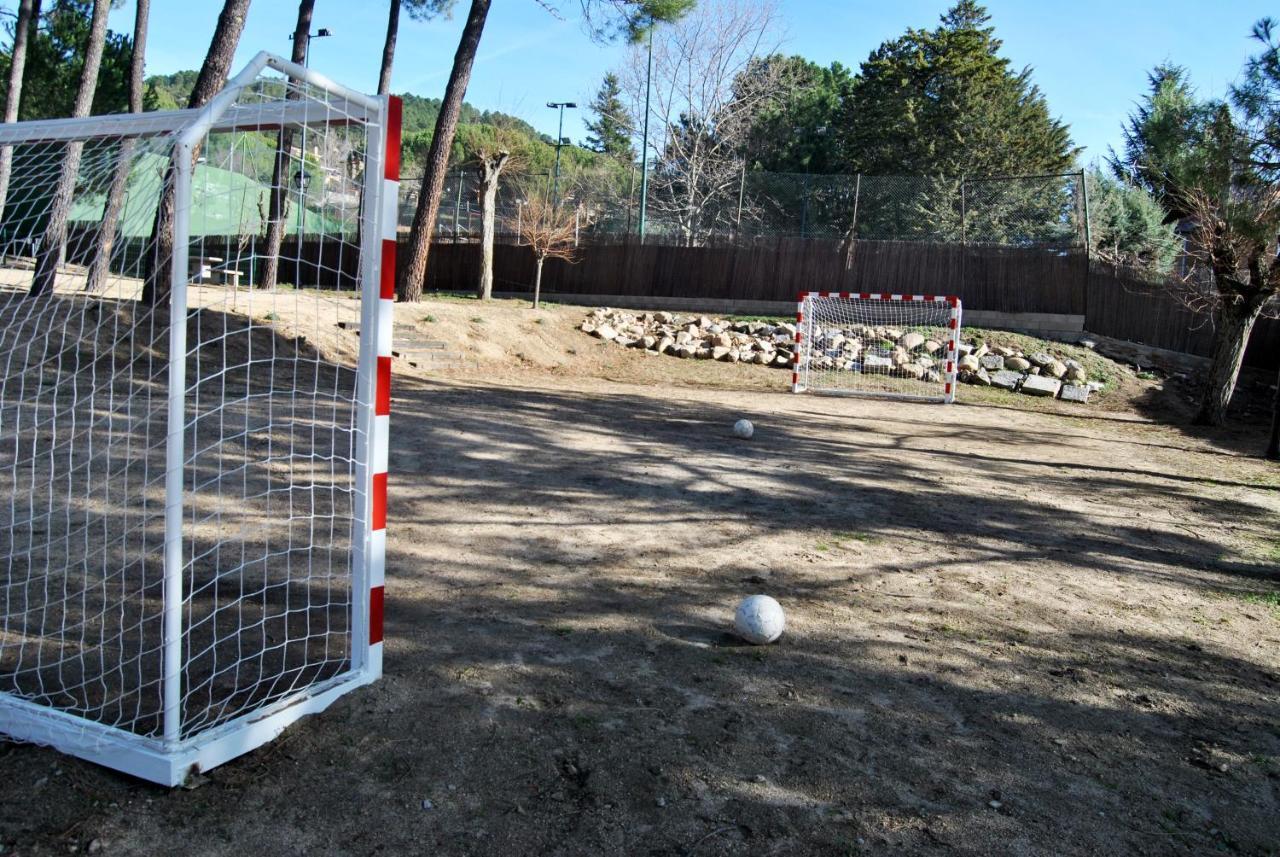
(193, 456)
(877, 344)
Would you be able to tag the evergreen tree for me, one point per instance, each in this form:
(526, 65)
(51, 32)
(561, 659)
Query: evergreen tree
(944, 102)
(612, 129)
(55, 61)
(1159, 152)
(798, 131)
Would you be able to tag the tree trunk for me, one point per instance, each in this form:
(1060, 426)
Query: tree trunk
(278, 201)
(389, 49)
(100, 264)
(212, 77)
(55, 231)
(414, 271)
(1273, 447)
(490, 171)
(28, 20)
(537, 281)
(1235, 322)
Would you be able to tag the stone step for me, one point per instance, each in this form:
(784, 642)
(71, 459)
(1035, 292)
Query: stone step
(418, 353)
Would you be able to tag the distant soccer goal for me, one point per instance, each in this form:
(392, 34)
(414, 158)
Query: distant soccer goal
(192, 455)
(893, 346)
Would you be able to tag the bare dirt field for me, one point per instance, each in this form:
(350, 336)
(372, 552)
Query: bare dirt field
(1014, 628)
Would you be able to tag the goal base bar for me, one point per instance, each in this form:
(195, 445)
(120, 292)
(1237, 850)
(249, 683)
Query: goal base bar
(149, 758)
(871, 394)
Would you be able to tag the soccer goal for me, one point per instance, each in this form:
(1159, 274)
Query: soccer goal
(193, 453)
(894, 346)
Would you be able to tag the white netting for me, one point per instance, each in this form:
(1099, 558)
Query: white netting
(893, 346)
(270, 433)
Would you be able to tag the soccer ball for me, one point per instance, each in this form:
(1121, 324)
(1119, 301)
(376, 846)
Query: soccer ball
(744, 428)
(759, 620)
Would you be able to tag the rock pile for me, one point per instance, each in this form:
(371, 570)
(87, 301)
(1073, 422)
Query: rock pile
(698, 337)
(911, 354)
(1037, 374)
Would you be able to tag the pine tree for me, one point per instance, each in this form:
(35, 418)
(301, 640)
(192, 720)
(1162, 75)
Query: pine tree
(612, 129)
(944, 102)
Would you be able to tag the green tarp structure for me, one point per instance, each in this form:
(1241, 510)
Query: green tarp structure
(224, 203)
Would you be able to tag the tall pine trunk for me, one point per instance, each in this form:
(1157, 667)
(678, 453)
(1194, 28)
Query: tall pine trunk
(28, 21)
(55, 231)
(1273, 446)
(99, 265)
(278, 204)
(490, 170)
(414, 271)
(212, 77)
(1235, 322)
(389, 49)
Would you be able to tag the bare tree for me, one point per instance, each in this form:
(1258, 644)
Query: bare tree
(414, 270)
(278, 194)
(212, 77)
(1235, 239)
(604, 19)
(55, 231)
(99, 264)
(28, 19)
(493, 161)
(547, 230)
(708, 85)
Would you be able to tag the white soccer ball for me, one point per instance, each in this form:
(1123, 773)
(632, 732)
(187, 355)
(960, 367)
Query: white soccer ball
(759, 620)
(744, 428)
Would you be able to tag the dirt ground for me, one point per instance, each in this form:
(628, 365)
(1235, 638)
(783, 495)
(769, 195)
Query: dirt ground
(1014, 628)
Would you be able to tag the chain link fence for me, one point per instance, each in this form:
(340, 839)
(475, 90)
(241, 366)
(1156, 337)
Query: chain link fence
(1023, 211)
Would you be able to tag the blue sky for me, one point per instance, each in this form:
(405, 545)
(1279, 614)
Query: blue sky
(1089, 56)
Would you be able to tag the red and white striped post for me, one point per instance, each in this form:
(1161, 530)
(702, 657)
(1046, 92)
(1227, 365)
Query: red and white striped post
(375, 559)
(382, 402)
(795, 355)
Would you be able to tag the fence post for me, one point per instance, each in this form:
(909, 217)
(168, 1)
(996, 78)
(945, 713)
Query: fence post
(857, 191)
(1088, 242)
(742, 188)
(964, 236)
(804, 205)
(1084, 196)
(457, 209)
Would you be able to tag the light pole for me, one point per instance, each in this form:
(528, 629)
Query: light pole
(322, 33)
(561, 140)
(644, 145)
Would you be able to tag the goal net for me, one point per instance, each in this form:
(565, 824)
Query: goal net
(894, 346)
(192, 453)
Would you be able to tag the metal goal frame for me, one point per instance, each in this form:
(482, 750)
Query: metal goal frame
(170, 756)
(803, 359)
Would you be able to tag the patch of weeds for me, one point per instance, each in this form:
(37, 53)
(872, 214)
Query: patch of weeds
(822, 546)
(1268, 600)
(562, 630)
(475, 319)
(1148, 376)
(865, 538)
(271, 317)
(429, 319)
